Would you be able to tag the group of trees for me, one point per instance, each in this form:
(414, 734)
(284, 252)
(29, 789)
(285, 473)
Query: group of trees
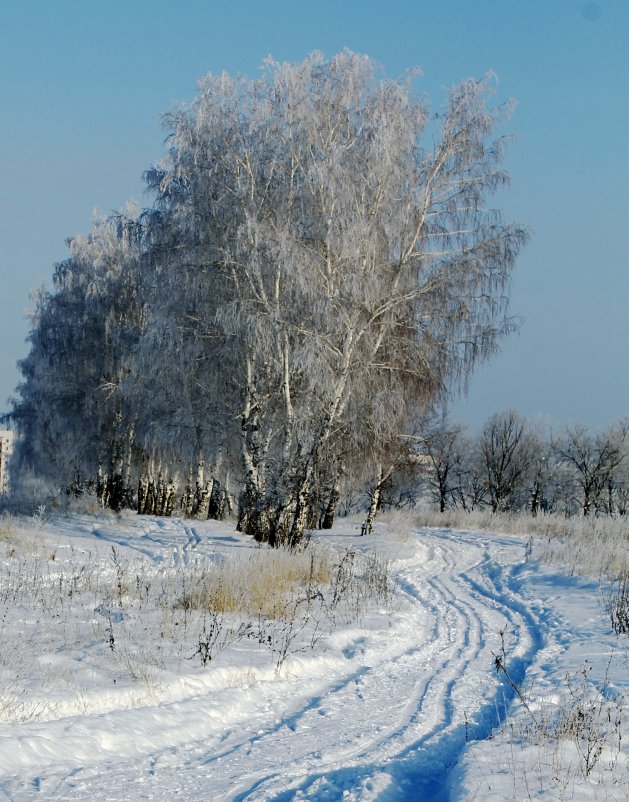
(318, 268)
(512, 465)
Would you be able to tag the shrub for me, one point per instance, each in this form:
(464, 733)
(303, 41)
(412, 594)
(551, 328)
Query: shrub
(617, 603)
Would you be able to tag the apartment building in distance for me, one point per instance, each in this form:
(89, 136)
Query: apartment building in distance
(7, 439)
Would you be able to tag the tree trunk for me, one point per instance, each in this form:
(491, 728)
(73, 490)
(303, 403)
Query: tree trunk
(302, 512)
(254, 517)
(187, 501)
(216, 502)
(202, 490)
(117, 495)
(443, 490)
(367, 527)
(587, 501)
(160, 496)
(375, 500)
(610, 498)
(330, 511)
(170, 496)
(142, 494)
(202, 497)
(100, 487)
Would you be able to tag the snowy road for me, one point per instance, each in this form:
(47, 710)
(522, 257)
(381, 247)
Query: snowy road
(380, 712)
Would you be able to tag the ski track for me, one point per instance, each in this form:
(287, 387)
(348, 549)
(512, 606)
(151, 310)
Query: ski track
(392, 723)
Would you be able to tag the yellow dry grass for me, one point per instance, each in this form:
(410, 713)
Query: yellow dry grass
(264, 583)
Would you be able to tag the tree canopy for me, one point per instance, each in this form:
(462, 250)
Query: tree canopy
(319, 266)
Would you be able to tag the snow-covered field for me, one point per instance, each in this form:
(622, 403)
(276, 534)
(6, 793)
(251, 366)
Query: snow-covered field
(408, 665)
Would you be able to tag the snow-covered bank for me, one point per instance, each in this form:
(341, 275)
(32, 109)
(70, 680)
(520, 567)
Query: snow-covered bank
(387, 698)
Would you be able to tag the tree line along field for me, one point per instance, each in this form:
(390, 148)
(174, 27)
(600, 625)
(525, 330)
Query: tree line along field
(512, 465)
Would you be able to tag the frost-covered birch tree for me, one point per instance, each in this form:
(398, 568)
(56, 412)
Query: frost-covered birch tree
(75, 428)
(320, 265)
(348, 272)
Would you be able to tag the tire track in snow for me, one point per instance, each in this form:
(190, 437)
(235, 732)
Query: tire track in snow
(160, 540)
(396, 718)
(430, 730)
(401, 717)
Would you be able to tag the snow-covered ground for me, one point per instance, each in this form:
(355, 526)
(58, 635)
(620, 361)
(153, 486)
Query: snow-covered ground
(477, 674)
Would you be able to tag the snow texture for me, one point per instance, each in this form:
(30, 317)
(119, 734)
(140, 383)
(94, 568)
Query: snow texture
(403, 703)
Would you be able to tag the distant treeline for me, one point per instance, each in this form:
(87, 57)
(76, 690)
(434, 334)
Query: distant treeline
(513, 465)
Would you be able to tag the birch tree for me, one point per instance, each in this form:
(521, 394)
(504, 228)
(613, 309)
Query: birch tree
(352, 274)
(175, 391)
(71, 415)
(321, 264)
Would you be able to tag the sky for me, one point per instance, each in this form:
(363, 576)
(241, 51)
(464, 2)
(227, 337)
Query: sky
(83, 86)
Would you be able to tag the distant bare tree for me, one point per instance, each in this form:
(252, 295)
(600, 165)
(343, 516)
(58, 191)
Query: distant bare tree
(540, 474)
(619, 490)
(447, 449)
(594, 459)
(508, 449)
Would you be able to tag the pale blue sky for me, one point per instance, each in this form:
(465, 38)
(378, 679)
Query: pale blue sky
(83, 84)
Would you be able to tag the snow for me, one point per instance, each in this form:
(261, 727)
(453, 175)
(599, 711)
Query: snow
(391, 697)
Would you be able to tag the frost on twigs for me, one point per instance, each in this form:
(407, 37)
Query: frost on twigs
(616, 601)
(572, 738)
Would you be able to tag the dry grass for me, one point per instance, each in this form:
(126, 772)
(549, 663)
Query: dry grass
(259, 584)
(7, 528)
(595, 546)
(132, 620)
(564, 743)
(616, 603)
